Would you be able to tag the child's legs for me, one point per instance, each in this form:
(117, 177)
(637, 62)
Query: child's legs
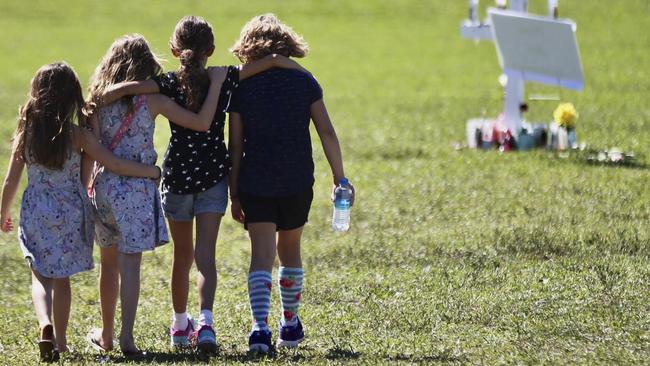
(260, 281)
(129, 265)
(207, 228)
(42, 298)
(289, 247)
(109, 289)
(290, 274)
(263, 246)
(61, 300)
(182, 262)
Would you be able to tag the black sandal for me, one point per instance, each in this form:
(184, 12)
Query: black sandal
(46, 347)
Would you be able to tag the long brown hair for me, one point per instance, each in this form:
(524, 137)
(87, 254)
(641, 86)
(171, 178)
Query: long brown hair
(266, 34)
(44, 132)
(192, 41)
(128, 59)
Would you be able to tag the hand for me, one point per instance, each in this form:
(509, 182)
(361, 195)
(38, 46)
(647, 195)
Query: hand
(217, 74)
(7, 224)
(159, 176)
(287, 63)
(333, 197)
(236, 211)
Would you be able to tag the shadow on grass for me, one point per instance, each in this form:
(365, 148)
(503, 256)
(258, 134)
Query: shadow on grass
(444, 357)
(340, 353)
(191, 357)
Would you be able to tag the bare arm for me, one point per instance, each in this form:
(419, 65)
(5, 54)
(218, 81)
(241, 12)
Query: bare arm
(86, 161)
(267, 62)
(119, 90)
(160, 104)
(96, 151)
(12, 180)
(235, 148)
(330, 141)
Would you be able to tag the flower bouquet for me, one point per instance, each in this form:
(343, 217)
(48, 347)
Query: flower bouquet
(563, 134)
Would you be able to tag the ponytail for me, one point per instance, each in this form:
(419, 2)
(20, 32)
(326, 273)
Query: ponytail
(193, 40)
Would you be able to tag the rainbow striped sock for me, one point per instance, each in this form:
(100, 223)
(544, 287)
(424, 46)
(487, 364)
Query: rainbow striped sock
(259, 294)
(290, 281)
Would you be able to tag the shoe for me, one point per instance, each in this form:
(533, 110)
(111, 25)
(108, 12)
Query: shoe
(206, 339)
(93, 341)
(290, 335)
(259, 341)
(181, 338)
(46, 348)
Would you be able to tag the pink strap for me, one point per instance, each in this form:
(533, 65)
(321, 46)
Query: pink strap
(140, 100)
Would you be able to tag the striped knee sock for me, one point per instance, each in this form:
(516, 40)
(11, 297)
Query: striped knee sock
(259, 294)
(290, 281)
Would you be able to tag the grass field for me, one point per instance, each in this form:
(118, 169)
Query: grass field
(454, 256)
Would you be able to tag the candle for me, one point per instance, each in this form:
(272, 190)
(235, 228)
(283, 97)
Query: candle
(553, 8)
(473, 11)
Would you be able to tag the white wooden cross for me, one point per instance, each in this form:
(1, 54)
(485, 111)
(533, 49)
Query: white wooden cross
(529, 50)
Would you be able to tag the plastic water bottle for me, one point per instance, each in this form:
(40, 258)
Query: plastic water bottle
(341, 214)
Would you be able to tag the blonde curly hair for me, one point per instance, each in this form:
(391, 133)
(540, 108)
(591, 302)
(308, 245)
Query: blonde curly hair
(266, 34)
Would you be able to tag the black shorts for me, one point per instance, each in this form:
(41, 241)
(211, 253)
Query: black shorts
(287, 213)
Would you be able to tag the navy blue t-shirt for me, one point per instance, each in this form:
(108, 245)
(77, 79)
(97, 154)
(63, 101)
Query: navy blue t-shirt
(275, 109)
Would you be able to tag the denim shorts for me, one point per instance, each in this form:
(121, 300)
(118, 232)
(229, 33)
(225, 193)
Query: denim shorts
(184, 207)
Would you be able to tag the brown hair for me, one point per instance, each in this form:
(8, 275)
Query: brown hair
(44, 132)
(192, 41)
(266, 34)
(128, 59)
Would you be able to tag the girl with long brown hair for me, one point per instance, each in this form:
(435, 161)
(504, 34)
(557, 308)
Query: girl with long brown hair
(195, 171)
(128, 210)
(56, 221)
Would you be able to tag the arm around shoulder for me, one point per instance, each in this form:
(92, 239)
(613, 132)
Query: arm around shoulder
(119, 90)
(98, 152)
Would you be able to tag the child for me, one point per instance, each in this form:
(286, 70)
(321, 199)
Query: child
(128, 209)
(196, 165)
(56, 222)
(272, 170)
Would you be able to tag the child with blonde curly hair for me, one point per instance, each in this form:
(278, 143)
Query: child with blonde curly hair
(273, 171)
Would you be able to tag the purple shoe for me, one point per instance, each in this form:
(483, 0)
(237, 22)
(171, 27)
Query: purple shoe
(181, 338)
(290, 335)
(259, 341)
(206, 339)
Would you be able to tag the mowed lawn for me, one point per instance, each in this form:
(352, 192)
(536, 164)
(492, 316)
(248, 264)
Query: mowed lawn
(453, 256)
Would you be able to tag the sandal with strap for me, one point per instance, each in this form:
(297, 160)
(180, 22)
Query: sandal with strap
(94, 343)
(48, 352)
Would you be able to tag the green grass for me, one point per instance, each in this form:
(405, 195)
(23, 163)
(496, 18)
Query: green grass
(454, 256)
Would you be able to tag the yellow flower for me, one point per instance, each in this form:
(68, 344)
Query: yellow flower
(565, 115)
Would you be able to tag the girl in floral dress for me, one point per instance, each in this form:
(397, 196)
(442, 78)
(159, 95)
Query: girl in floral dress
(129, 219)
(56, 221)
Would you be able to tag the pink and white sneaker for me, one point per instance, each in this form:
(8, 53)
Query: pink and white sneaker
(182, 338)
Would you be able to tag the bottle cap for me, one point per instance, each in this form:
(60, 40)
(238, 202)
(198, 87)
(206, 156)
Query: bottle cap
(344, 182)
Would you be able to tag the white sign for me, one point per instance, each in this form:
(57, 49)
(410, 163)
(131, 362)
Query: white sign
(538, 49)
